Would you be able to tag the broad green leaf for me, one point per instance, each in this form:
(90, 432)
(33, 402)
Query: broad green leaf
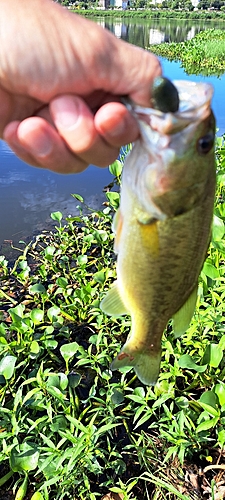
(17, 311)
(37, 316)
(101, 235)
(53, 312)
(51, 344)
(37, 496)
(38, 288)
(59, 422)
(220, 392)
(221, 207)
(69, 350)
(209, 398)
(139, 391)
(99, 277)
(221, 437)
(82, 260)
(114, 198)
(116, 168)
(213, 355)
(53, 380)
(186, 361)
(117, 397)
(63, 381)
(34, 347)
(210, 271)
(78, 197)
(182, 402)
(222, 342)
(55, 392)
(56, 216)
(24, 265)
(74, 379)
(21, 492)
(217, 229)
(216, 355)
(63, 282)
(24, 457)
(207, 424)
(49, 252)
(7, 366)
(161, 387)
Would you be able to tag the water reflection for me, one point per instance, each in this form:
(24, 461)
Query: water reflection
(29, 195)
(144, 33)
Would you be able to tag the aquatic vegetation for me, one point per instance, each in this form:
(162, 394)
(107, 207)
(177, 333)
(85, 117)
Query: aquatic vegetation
(153, 13)
(204, 54)
(70, 429)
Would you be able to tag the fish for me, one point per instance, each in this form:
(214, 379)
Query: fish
(163, 224)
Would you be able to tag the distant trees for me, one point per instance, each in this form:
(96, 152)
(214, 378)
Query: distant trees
(147, 4)
(178, 4)
(207, 4)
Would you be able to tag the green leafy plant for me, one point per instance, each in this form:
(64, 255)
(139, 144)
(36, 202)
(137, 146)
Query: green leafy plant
(70, 429)
(203, 54)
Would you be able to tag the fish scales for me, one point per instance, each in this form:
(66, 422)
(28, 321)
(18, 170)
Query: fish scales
(163, 224)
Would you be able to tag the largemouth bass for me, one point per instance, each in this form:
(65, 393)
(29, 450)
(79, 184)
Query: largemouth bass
(163, 224)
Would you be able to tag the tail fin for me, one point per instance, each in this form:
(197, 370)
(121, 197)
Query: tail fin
(145, 364)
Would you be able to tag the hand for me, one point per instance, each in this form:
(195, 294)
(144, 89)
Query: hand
(61, 78)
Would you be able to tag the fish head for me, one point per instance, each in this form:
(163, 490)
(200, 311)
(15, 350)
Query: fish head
(176, 165)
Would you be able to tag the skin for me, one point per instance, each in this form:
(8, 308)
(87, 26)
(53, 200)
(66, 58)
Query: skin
(61, 78)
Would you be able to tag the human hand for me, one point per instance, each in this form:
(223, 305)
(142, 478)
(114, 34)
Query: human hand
(61, 78)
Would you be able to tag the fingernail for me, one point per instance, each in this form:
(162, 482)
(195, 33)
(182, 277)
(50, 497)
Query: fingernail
(117, 131)
(39, 146)
(66, 112)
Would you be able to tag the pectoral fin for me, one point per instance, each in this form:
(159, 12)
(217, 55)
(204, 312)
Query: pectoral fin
(112, 303)
(182, 318)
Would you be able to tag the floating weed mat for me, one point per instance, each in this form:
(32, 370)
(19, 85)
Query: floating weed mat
(69, 428)
(204, 54)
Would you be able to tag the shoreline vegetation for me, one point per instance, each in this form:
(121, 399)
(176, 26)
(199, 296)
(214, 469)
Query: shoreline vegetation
(203, 55)
(208, 15)
(70, 428)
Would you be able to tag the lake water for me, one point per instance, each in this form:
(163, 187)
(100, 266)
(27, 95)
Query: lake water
(28, 195)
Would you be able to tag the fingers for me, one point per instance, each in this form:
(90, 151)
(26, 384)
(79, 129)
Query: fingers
(36, 142)
(91, 137)
(77, 142)
(69, 137)
(75, 123)
(115, 124)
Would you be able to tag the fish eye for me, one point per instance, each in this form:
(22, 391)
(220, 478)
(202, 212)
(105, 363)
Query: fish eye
(205, 144)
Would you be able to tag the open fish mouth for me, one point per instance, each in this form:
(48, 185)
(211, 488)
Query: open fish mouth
(166, 139)
(194, 106)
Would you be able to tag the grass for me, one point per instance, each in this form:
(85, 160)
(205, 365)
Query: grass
(69, 428)
(204, 54)
(154, 13)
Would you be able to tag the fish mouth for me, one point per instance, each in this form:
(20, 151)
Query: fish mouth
(194, 105)
(165, 174)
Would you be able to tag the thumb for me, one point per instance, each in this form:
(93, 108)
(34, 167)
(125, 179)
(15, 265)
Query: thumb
(133, 71)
